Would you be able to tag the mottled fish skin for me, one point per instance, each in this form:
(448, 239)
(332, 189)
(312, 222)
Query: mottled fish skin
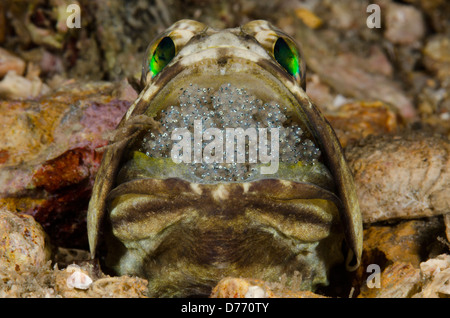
(184, 236)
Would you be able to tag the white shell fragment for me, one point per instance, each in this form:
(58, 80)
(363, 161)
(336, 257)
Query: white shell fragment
(78, 279)
(255, 292)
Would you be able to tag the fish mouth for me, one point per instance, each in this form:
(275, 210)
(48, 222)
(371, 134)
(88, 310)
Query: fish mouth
(226, 120)
(202, 233)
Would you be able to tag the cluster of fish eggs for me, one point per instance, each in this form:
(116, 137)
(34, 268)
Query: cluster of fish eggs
(228, 107)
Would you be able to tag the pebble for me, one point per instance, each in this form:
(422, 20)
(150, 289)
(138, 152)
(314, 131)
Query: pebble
(308, 17)
(10, 62)
(401, 176)
(435, 274)
(14, 86)
(436, 55)
(404, 24)
(23, 242)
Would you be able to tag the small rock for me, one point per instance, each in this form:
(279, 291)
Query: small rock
(430, 99)
(404, 24)
(436, 55)
(343, 15)
(308, 18)
(355, 121)
(403, 176)
(10, 62)
(434, 266)
(23, 242)
(436, 277)
(14, 86)
(406, 242)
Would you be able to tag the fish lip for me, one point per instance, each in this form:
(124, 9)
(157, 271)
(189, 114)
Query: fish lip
(173, 203)
(241, 244)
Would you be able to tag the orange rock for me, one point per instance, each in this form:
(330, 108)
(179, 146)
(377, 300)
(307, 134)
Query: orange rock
(65, 170)
(358, 120)
(308, 18)
(406, 242)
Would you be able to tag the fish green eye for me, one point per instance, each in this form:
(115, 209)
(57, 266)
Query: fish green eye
(287, 56)
(162, 55)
